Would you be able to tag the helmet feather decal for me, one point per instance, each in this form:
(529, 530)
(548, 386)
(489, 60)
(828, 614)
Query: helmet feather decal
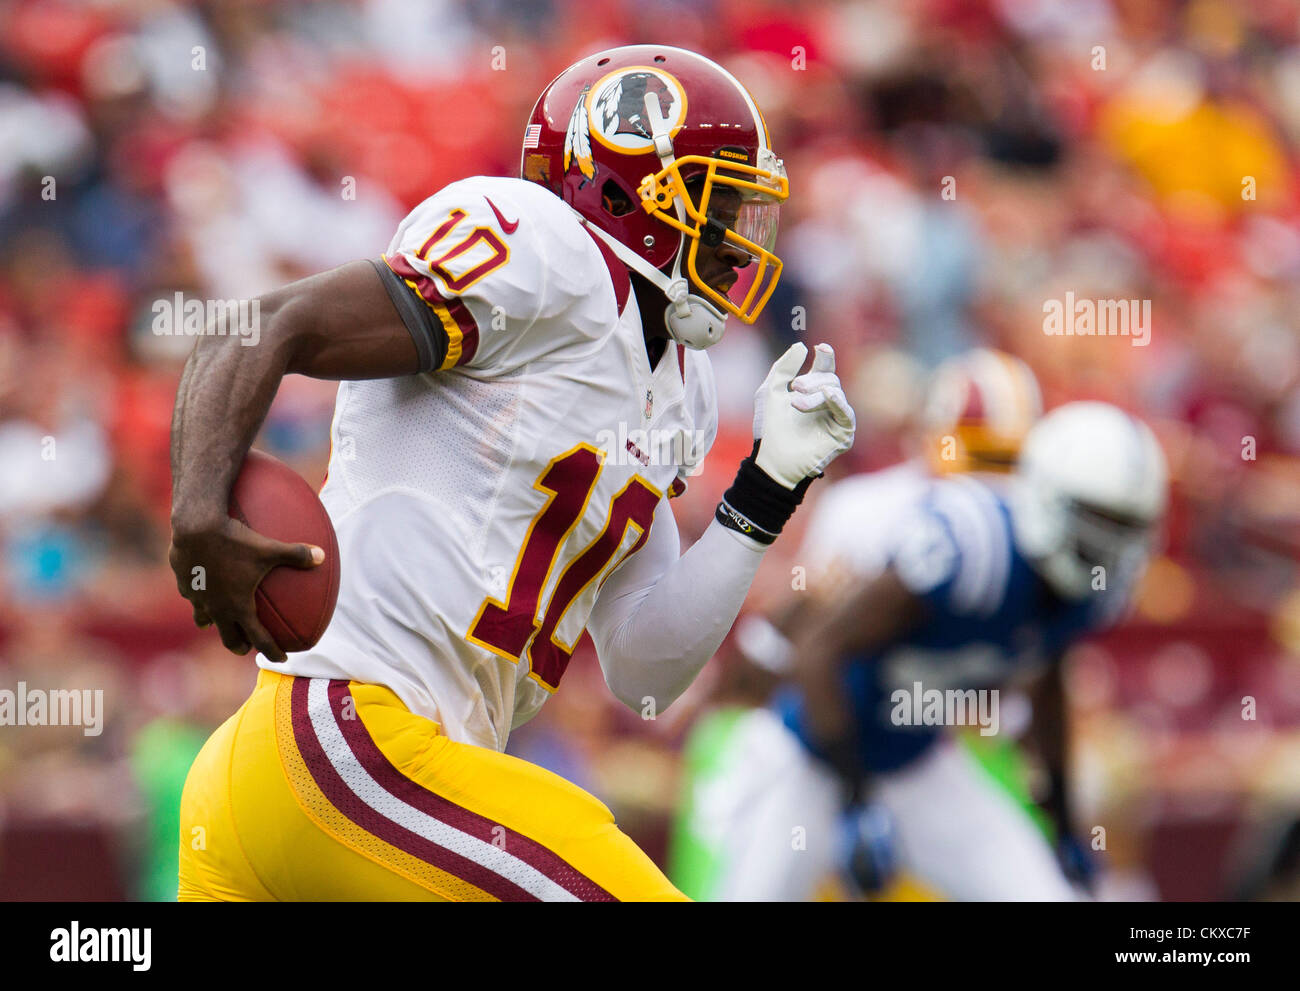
(577, 139)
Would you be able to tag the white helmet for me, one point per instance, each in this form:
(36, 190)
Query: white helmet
(1095, 486)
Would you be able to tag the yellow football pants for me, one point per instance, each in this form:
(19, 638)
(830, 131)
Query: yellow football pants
(319, 790)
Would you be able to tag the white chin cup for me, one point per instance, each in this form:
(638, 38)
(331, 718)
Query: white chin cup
(691, 320)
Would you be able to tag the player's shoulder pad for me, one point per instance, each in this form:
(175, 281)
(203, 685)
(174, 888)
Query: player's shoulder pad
(568, 254)
(505, 256)
(957, 546)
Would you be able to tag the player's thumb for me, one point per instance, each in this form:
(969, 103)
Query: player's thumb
(298, 555)
(823, 358)
(786, 368)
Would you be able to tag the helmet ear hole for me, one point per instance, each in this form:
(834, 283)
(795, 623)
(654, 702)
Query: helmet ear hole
(615, 199)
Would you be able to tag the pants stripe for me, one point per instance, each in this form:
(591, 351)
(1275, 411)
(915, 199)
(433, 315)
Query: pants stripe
(362, 783)
(334, 822)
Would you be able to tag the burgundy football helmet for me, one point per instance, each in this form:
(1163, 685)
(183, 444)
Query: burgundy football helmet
(979, 407)
(621, 134)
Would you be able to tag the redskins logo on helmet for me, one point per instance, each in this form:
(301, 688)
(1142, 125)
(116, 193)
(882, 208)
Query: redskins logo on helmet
(661, 150)
(618, 117)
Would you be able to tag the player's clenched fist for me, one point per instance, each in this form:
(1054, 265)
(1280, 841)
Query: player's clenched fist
(802, 422)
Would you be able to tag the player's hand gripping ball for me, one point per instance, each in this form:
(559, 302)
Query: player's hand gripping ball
(267, 574)
(294, 604)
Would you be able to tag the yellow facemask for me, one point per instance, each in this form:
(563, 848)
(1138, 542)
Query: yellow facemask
(762, 191)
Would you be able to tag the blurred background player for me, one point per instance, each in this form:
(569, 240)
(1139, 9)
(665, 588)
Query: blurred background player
(972, 416)
(981, 581)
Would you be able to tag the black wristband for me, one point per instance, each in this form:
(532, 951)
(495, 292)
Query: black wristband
(762, 504)
(728, 516)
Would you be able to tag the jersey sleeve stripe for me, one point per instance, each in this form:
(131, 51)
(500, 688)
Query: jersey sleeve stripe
(426, 331)
(456, 319)
(970, 532)
(995, 588)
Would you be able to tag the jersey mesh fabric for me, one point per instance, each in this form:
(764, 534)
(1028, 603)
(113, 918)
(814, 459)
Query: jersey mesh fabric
(432, 451)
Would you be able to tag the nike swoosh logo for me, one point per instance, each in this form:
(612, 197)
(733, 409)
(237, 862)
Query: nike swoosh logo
(506, 226)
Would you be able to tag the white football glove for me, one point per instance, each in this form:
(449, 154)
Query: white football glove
(803, 423)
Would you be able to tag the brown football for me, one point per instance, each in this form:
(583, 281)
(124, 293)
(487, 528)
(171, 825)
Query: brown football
(294, 604)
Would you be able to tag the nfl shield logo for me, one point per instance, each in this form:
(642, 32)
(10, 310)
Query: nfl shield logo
(649, 402)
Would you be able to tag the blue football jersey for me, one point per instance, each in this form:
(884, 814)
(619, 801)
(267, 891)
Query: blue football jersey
(990, 616)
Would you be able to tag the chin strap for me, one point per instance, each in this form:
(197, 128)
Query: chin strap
(677, 289)
(677, 293)
(689, 319)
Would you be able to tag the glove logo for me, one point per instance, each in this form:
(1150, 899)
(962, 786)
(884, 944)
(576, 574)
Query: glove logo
(742, 524)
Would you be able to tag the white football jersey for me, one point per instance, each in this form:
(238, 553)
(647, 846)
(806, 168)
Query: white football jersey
(855, 521)
(480, 505)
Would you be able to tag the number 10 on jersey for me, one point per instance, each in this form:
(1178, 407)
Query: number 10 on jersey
(512, 629)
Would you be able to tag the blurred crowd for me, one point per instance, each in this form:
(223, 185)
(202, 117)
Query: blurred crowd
(953, 164)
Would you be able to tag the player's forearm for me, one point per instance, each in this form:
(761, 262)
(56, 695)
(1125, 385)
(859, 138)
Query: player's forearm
(340, 324)
(869, 614)
(1048, 733)
(657, 651)
(819, 654)
(817, 672)
(225, 392)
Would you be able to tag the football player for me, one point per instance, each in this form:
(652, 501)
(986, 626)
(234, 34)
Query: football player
(523, 387)
(979, 581)
(977, 409)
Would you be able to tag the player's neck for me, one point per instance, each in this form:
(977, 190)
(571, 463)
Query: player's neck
(654, 350)
(651, 303)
